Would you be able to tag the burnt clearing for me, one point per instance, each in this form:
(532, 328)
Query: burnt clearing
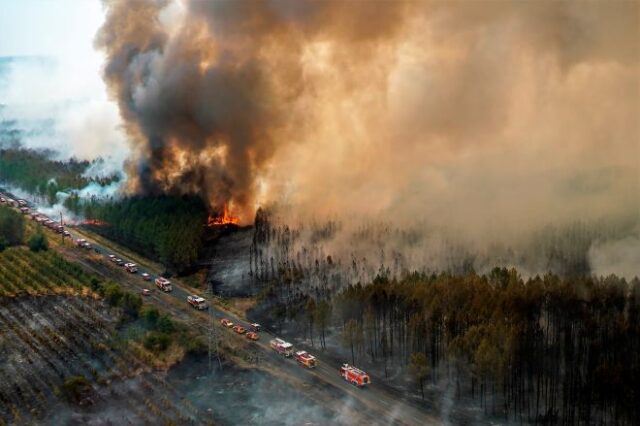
(48, 342)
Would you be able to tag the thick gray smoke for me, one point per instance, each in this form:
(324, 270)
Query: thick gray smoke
(488, 118)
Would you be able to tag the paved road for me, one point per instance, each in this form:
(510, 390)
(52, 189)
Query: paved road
(380, 405)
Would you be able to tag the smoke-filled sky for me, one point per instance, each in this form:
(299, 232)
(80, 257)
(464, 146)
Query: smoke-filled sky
(487, 117)
(480, 115)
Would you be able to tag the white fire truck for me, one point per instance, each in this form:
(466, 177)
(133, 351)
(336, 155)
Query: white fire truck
(305, 359)
(197, 302)
(354, 376)
(164, 284)
(282, 347)
(131, 267)
(81, 242)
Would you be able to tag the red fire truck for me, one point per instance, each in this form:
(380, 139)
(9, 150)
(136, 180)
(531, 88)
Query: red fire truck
(282, 347)
(305, 359)
(354, 376)
(164, 284)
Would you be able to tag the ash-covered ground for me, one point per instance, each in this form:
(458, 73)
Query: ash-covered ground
(44, 341)
(228, 258)
(236, 396)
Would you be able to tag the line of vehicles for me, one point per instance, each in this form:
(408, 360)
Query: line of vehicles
(285, 349)
(349, 373)
(250, 333)
(39, 218)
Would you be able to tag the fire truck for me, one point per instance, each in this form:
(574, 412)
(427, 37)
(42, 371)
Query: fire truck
(354, 376)
(131, 267)
(197, 302)
(305, 359)
(164, 284)
(282, 347)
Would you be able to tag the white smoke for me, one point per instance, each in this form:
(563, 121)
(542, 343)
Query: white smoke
(61, 104)
(619, 257)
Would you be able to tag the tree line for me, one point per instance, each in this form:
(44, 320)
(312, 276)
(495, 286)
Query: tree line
(13, 231)
(544, 349)
(35, 172)
(166, 228)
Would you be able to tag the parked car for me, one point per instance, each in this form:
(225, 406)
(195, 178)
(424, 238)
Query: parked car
(226, 322)
(146, 276)
(252, 335)
(146, 292)
(255, 327)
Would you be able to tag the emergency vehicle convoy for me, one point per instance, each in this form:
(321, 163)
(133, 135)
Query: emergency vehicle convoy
(354, 376)
(197, 302)
(164, 284)
(282, 347)
(349, 373)
(305, 359)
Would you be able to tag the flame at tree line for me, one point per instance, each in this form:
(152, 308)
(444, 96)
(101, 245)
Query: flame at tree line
(225, 218)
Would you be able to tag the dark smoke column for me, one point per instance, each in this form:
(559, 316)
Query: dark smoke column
(196, 104)
(210, 89)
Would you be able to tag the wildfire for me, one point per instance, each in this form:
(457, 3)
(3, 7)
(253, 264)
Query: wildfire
(94, 222)
(224, 219)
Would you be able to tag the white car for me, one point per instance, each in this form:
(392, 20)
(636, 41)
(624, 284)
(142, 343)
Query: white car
(146, 292)
(146, 276)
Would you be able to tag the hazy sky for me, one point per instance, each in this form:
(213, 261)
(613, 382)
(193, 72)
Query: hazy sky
(67, 89)
(48, 27)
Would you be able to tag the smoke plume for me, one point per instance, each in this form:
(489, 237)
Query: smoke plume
(486, 117)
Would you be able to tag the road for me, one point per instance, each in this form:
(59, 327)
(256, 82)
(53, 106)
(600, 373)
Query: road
(377, 403)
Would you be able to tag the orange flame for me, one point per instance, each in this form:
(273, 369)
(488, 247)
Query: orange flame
(225, 219)
(94, 222)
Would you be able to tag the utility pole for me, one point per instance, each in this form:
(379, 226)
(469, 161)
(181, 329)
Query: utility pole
(213, 340)
(62, 224)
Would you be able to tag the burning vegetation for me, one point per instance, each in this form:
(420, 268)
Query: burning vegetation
(225, 218)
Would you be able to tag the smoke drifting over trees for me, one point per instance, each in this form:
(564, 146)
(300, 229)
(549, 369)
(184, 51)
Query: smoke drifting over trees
(490, 119)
